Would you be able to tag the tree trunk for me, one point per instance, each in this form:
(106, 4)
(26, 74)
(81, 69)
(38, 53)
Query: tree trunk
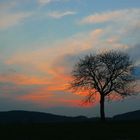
(102, 112)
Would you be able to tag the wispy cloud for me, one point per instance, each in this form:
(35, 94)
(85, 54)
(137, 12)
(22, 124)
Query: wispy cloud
(44, 2)
(9, 16)
(122, 25)
(113, 16)
(58, 15)
(7, 5)
(12, 19)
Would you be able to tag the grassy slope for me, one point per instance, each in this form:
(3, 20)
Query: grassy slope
(73, 131)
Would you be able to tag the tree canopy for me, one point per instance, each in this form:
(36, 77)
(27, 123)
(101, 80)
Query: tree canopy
(106, 73)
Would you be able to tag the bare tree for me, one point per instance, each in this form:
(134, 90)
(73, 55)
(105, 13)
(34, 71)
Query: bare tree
(104, 74)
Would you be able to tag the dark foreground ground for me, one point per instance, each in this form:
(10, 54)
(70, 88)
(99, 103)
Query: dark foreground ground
(71, 131)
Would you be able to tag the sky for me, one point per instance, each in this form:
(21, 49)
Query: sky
(41, 40)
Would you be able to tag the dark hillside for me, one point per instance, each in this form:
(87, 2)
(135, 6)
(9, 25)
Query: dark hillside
(135, 115)
(25, 125)
(35, 117)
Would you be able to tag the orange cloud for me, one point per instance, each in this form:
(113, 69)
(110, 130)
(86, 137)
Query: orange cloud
(51, 64)
(44, 97)
(22, 79)
(40, 95)
(70, 102)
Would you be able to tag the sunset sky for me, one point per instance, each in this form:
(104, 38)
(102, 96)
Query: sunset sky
(41, 40)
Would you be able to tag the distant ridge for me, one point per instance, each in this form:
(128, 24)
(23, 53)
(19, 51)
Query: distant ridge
(19, 116)
(134, 115)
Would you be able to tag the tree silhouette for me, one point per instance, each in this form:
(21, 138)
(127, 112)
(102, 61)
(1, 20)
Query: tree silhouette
(105, 74)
